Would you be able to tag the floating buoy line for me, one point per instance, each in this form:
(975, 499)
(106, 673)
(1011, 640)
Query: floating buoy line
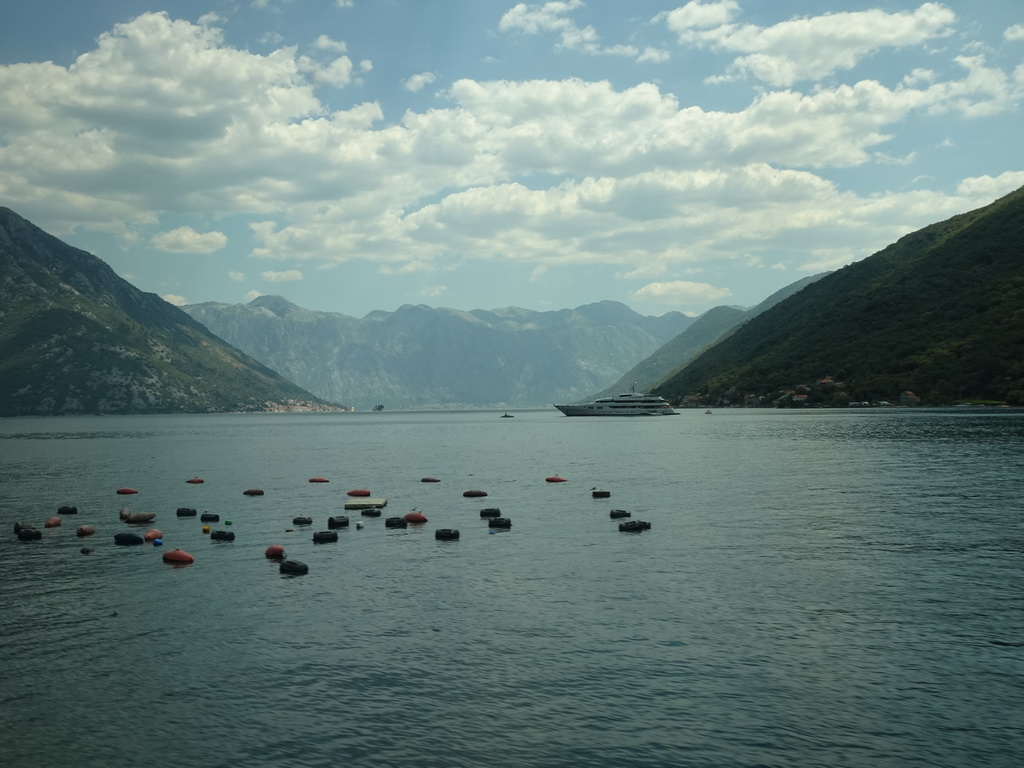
(369, 507)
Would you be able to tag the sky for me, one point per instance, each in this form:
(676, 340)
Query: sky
(358, 155)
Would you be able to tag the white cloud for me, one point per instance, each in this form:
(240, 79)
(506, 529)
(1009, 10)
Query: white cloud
(698, 15)
(238, 277)
(337, 73)
(287, 275)
(1016, 32)
(175, 299)
(991, 187)
(534, 19)
(656, 55)
(552, 17)
(250, 296)
(326, 43)
(543, 172)
(808, 48)
(679, 291)
(418, 82)
(187, 240)
(919, 76)
(433, 291)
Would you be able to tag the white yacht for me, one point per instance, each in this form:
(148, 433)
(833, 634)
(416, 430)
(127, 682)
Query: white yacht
(626, 404)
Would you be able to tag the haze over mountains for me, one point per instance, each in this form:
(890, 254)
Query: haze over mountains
(939, 313)
(422, 357)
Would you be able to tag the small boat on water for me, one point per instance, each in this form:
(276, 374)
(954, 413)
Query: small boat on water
(507, 416)
(627, 404)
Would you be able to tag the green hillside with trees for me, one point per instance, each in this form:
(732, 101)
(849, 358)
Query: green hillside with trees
(939, 313)
(706, 330)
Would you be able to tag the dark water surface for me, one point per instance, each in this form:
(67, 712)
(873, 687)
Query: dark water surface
(817, 589)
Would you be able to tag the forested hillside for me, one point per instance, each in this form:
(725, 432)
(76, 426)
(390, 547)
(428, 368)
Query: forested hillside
(939, 313)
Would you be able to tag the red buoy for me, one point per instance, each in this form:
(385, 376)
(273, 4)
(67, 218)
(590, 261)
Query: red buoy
(126, 491)
(416, 517)
(555, 479)
(153, 533)
(253, 492)
(85, 530)
(178, 557)
(53, 522)
(195, 481)
(319, 480)
(359, 492)
(275, 552)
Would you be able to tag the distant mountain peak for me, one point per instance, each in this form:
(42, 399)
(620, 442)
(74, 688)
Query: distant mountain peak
(274, 303)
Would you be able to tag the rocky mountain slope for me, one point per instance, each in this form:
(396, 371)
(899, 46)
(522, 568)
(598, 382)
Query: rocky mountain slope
(75, 339)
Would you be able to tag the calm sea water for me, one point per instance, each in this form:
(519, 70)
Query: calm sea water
(817, 589)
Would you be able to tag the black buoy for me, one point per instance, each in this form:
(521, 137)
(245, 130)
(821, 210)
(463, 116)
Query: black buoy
(634, 526)
(29, 534)
(446, 534)
(67, 510)
(293, 567)
(499, 522)
(372, 512)
(491, 512)
(85, 551)
(396, 522)
(188, 512)
(339, 521)
(128, 539)
(619, 513)
(209, 517)
(322, 537)
(222, 535)
(302, 521)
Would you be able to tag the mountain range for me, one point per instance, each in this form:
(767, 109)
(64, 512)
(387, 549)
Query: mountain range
(935, 318)
(424, 357)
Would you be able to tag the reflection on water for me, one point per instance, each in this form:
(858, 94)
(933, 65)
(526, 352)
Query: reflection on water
(817, 588)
